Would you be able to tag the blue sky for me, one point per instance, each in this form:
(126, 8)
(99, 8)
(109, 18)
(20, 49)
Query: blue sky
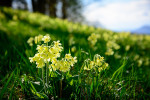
(119, 15)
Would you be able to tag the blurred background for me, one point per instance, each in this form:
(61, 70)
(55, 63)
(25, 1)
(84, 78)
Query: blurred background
(116, 15)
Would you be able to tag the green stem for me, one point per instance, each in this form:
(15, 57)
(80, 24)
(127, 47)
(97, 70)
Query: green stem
(60, 88)
(47, 73)
(43, 73)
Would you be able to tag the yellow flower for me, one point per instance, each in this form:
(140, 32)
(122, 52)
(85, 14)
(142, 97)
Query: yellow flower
(93, 38)
(68, 56)
(86, 68)
(102, 58)
(117, 56)
(40, 63)
(73, 60)
(46, 38)
(31, 59)
(100, 69)
(52, 67)
(127, 48)
(57, 43)
(109, 52)
(140, 62)
(38, 38)
(64, 66)
(91, 65)
(40, 48)
(30, 41)
(105, 66)
(98, 62)
(73, 49)
(49, 54)
(53, 50)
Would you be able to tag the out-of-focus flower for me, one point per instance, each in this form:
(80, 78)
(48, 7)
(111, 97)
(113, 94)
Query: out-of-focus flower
(71, 41)
(146, 61)
(93, 38)
(140, 62)
(127, 47)
(109, 52)
(38, 39)
(117, 56)
(30, 41)
(73, 49)
(136, 57)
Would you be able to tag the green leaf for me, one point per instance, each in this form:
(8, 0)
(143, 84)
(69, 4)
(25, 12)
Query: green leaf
(5, 86)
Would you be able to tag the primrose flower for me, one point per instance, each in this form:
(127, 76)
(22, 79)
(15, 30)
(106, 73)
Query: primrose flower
(105, 66)
(111, 44)
(52, 67)
(116, 46)
(91, 65)
(57, 43)
(46, 38)
(117, 56)
(127, 48)
(39, 48)
(38, 38)
(73, 49)
(40, 63)
(31, 59)
(109, 52)
(74, 60)
(146, 61)
(68, 56)
(93, 38)
(49, 54)
(98, 63)
(140, 62)
(30, 41)
(86, 68)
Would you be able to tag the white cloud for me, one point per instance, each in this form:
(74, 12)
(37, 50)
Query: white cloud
(120, 15)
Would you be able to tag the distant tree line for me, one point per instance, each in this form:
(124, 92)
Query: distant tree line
(70, 9)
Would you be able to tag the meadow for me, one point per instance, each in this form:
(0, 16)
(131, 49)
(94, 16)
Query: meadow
(50, 58)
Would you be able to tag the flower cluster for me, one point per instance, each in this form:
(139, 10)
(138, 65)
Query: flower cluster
(37, 39)
(97, 63)
(49, 54)
(93, 38)
(64, 64)
(110, 46)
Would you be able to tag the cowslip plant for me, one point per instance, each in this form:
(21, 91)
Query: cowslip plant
(98, 63)
(92, 73)
(48, 57)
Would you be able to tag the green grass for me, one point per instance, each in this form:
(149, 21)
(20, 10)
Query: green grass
(126, 77)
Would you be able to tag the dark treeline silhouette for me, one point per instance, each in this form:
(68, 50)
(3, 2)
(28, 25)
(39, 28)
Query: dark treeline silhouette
(70, 9)
(6, 3)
